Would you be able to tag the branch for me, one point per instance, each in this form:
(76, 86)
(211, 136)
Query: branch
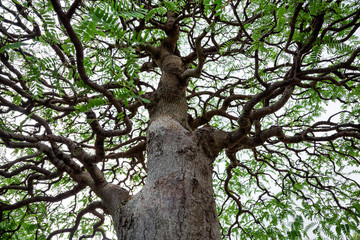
(335, 67)
(73, 7)
(61, 161)
(292, 28)
(132, 152)
(89, 162)
(316, 27)
(262, 112)
(95, 126)
(200, 55)
(65, 20)
(304, 136)
(89, 209)
(57, 198)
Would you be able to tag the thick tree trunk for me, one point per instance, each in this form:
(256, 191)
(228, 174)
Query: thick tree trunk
(177, 201)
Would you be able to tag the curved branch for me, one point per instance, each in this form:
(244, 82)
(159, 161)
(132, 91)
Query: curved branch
(57, 198)
(89, 209)
(201, 58)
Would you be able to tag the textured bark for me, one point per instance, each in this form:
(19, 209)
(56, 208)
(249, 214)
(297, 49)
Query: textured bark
(177, 201)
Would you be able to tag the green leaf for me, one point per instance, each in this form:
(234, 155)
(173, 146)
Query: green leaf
(9, 46)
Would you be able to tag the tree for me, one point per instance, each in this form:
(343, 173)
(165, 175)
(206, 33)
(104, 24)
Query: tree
(136, 109)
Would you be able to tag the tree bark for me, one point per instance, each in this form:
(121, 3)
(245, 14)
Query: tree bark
(177, 201)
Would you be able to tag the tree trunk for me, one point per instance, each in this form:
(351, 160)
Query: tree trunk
(177, 201)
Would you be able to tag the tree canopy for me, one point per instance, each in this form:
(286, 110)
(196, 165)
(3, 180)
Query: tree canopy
(79, 78)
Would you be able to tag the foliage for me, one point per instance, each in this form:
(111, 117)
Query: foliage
(289, 62)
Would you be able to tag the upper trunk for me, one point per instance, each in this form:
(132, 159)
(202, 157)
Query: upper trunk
(170, 97)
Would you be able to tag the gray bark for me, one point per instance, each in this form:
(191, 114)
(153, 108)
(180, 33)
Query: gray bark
(177, 201)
